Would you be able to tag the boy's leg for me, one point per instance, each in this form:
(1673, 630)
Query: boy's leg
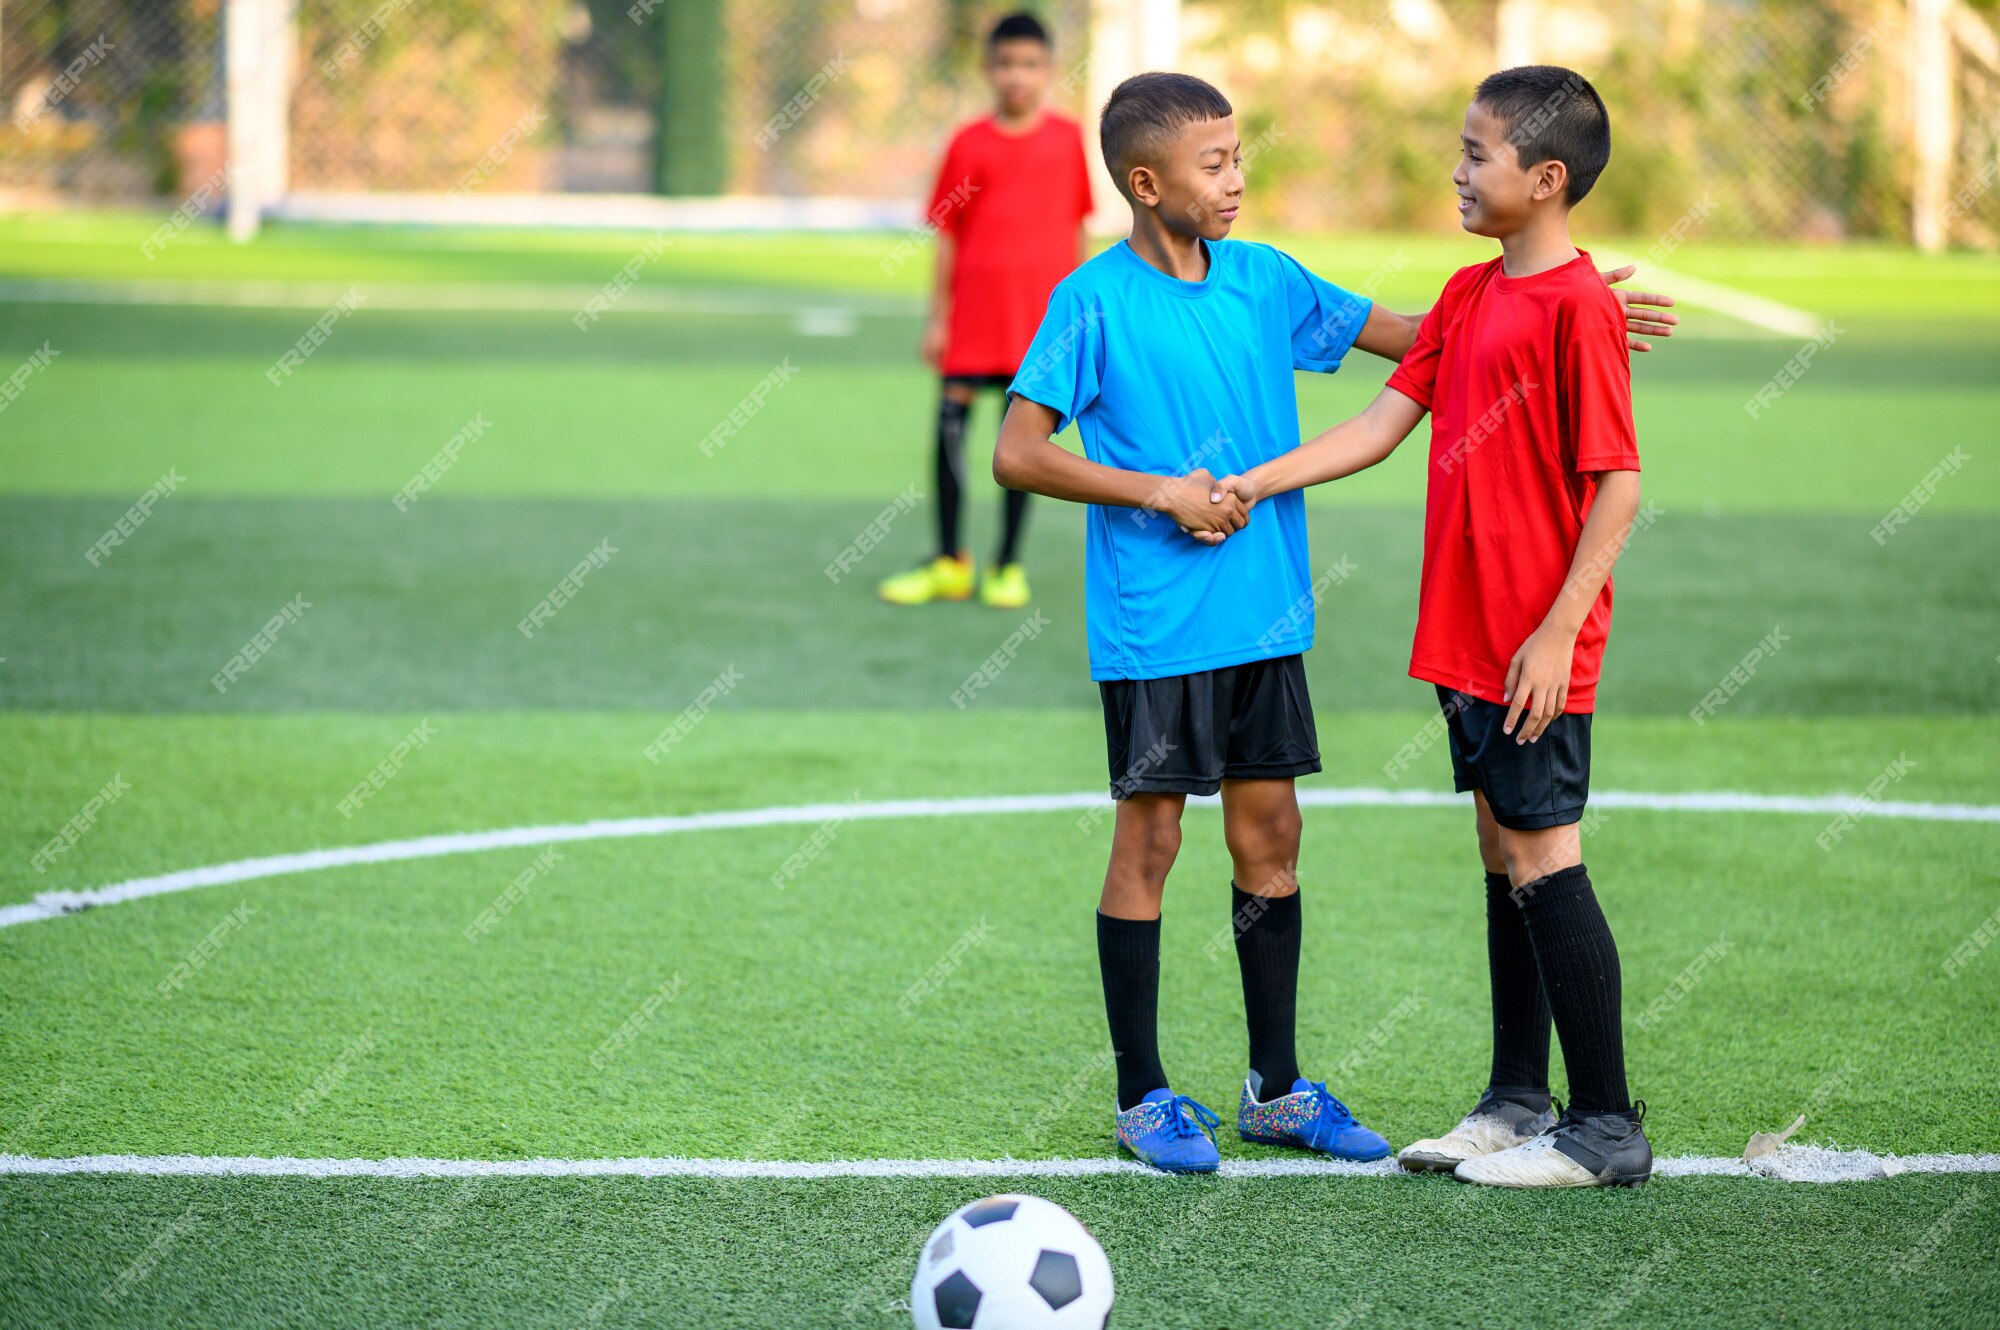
(1013, 520)
(954, 407)
(945, 575)
(1520, 1006)
(1004, 585)
(1266, 711)
(1159, 749)
(1516, 1105)
(1536, 794)
(1145, 840)
(1260, 822)
(1578, 960)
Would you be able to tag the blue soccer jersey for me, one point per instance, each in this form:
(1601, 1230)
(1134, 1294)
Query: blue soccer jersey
(1165, 376)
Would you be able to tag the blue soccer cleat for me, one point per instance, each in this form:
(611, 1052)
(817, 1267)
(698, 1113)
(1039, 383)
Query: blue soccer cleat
(1309, 1118)
(1167, 1130)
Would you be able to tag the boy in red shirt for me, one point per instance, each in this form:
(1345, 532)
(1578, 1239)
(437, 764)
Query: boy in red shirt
(1534, 482)
(1009, 206)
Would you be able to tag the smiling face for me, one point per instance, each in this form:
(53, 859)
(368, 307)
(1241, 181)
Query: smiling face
(1496, 194)
(1198, 183)
(1018, 68)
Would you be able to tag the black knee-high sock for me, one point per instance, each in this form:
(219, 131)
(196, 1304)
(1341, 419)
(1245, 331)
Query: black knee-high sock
(1579, 965)
(1014, 516)
(950, 471)
(1520, 1007)
(1128, 960)
(1267, 952)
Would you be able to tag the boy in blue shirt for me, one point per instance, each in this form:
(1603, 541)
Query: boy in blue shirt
(1173, 352)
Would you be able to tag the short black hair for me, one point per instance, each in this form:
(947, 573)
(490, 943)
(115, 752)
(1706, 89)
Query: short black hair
(1552, 114)
(1016, 26)
(1145, 111)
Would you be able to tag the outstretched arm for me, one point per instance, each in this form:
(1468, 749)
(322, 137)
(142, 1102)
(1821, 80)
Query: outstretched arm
(1352, 445)
(1538, 676)
(1026, 459)
(1388, 334)
(1391, 335)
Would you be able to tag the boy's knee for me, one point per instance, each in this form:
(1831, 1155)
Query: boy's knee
(1161, 843)
(1533, 855)
(1287, 827)
(1490, 853)
(1154, 841)
(1274, 836)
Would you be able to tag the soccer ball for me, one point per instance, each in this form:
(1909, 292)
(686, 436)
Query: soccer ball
(1011, 1263)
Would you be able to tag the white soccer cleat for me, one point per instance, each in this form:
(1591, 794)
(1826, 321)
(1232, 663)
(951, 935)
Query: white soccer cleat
(1594, 1150)
(1493, 1125)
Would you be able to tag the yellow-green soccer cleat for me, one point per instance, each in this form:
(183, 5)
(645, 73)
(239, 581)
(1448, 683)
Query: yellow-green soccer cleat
(1005, 588)
(943, 578)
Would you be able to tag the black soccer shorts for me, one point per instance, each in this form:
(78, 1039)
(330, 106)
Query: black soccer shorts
(1529, 787)
(1187, 733)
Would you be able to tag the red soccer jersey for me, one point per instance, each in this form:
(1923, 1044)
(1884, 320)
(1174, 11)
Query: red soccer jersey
(1530, 394)
(1013, 203)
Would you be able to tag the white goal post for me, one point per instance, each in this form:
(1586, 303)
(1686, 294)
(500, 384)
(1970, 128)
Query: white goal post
(1126, 37)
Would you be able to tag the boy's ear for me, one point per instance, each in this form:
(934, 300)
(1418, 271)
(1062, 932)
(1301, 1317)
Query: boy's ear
(1145, 186)
(1551, 178)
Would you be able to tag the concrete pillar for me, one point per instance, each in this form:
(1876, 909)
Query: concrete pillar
(1516, 25)
(260, 48)
(1933, 120)
(1127, 37)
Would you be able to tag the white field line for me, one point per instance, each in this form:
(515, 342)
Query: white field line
(50, 904)
(442, 297)
(1774, 317)
(226, 1166)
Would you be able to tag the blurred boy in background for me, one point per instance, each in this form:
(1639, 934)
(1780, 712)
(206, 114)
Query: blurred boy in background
(1009, 205)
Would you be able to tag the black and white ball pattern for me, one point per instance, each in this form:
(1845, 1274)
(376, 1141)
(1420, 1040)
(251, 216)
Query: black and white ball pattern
(1011, 1263)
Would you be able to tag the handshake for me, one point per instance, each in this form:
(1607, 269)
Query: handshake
(1207, 509)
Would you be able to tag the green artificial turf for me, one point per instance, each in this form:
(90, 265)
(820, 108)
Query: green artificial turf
(346, 1013)
(484, 1049)
(1185, 1253)
(1896, 283)
(421, 610)
(629, 408)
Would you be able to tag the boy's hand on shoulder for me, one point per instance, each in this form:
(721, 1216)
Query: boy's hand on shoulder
(1187, 501)
(1538, 683)
(1645, 311)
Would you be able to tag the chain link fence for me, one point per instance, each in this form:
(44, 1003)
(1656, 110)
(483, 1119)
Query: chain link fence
(1972, 214)
(1768, 119)
(788, 97)
(109, 101)
(1765, 118)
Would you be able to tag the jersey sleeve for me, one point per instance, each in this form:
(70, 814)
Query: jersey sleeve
(1325, 319)
(1064, 365)
(1596, 381)
(1416, 377)
(954, 188)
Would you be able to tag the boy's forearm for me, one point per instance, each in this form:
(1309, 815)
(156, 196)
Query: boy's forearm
(1602, 540)
(1352, 445)
(947, 258)
(1025, 458)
